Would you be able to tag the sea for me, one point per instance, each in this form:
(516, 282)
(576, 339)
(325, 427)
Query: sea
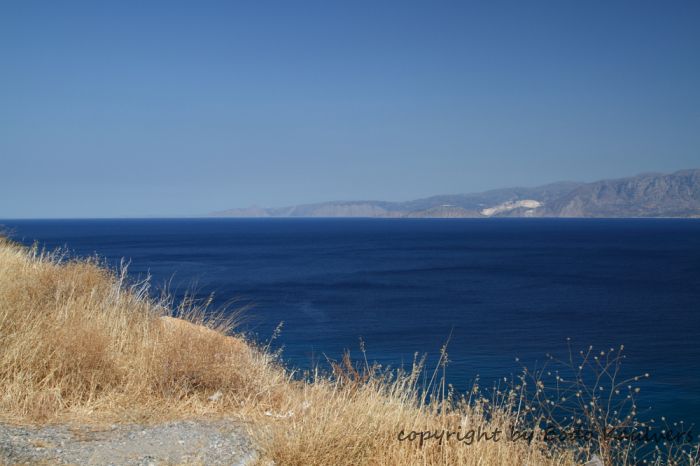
(501, 293)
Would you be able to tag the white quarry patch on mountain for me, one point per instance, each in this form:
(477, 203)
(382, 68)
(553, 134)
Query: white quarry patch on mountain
(510, 205)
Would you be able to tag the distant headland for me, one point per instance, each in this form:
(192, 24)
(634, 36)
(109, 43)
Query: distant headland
(646, 195)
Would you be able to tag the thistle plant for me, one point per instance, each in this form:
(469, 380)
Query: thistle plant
(587, 402)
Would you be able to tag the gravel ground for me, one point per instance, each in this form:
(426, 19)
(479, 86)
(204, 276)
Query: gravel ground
(183, 442)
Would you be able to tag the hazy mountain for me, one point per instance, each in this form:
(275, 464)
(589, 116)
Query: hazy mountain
(646, 195)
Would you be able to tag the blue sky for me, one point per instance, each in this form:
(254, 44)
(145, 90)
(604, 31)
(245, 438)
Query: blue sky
(176, 108)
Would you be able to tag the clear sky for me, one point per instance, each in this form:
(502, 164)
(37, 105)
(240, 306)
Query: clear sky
(175, 108)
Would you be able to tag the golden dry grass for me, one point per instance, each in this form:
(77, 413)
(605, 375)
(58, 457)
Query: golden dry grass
(78, 344)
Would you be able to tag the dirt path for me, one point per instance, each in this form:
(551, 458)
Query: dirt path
(183, 442)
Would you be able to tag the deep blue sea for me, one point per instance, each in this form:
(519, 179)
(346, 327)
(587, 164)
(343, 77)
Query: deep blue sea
(503, 288)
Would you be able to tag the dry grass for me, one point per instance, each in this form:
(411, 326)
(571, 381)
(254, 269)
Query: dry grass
(78, 343)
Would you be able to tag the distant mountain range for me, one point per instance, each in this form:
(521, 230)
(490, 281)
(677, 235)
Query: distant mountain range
(646, 195)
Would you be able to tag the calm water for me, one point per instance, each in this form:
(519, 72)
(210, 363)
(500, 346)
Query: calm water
(504, 288)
